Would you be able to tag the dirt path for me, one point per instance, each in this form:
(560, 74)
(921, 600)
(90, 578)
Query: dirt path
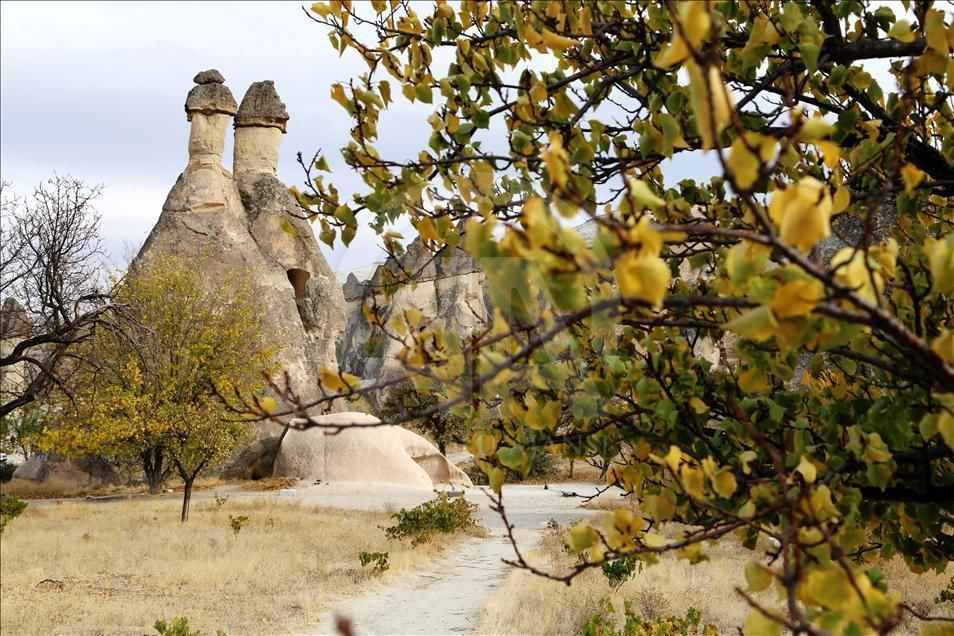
(447, 598)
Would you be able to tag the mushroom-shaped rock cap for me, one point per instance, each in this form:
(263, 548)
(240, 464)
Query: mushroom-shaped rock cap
(210, 95)
(261, 106)
(211, 76)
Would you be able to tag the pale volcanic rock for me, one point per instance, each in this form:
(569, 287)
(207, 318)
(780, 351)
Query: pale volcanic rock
(363, 453)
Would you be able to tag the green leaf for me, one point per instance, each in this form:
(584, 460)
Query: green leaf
(757, 577)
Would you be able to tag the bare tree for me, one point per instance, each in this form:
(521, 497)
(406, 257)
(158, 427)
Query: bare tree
(51, 255)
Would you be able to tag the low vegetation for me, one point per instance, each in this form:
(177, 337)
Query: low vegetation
(441, 515)
(623, 602)
(80, 567)
(10, 508)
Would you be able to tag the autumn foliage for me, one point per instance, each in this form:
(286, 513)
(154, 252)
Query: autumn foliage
(765, 349)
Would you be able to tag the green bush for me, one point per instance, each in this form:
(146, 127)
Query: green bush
(603, 623)
(621, 570)
(440, 515)
(237, 523)
(6, 471)
(380, 560)
(180, 627)
(10, 508)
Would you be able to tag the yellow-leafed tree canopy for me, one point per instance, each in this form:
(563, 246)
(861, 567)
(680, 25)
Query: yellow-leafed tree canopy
(811, 254)
(146, 385)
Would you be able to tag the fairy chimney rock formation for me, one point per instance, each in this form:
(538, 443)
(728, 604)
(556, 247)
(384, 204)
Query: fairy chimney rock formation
(245, 226)
(259, 125)
(209, 106)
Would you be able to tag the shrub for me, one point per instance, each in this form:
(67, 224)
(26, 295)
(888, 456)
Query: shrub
(603, 623)
(380, 560)
(180, 627)
(237, 523)
(440, 515)
(621, 570)
(6, 471)
(10, 508)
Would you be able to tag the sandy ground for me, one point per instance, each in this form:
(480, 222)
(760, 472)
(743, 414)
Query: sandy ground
(447, 597)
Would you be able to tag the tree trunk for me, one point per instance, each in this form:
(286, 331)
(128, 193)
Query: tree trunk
(153, 469)
(186, 498)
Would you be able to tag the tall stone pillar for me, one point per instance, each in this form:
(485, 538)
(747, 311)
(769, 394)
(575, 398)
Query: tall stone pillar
(209, 107)
(259, 125)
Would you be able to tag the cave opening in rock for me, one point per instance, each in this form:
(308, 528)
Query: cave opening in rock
(299, 280)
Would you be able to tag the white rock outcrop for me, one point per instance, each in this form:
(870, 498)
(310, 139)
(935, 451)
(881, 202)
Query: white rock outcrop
(375, 454)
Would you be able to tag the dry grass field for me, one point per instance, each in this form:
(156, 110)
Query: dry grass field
(117, 567)
(531, 605)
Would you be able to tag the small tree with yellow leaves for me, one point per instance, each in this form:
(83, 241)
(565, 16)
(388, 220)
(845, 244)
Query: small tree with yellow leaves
(146, 383)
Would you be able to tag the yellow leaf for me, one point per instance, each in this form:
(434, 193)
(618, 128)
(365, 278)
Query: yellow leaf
(654, 540)
(711, 102)
(582, 536)
(336, 381)
(831, 153)
(940, 253)
(698, 406)
(268, 404)
(556, 42)
(482, 444)
(556, 159)
(640, 191)
(887, 256)
(746, 259)
(816, 128)
(744, 162)
(758, 624)
(693, 26)
(338, 94)
(672, 459)
(943, 345)
(757, 576)
(724, 483)
(901, 30)
(756, 324)
(693, 481)
(425, 227)
(912, 177)
(807, 470)
(482, 174)
(797, 298)
(642, 277)
(852, 270)
(803, 213)
(841, 200)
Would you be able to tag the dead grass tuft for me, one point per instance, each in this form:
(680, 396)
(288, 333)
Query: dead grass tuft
(528, 604)
(117, 567)
(270, 483)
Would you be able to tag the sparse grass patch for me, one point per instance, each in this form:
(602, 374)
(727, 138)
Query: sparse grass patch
(118, 567)
(531, 605)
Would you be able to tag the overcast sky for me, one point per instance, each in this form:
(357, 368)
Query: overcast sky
(97, 90)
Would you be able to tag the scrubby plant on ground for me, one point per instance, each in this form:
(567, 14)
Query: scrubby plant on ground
(6, 471)
(10, 508)
(441, 515)
(603, 623)
(179, 627)
(379, 559)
